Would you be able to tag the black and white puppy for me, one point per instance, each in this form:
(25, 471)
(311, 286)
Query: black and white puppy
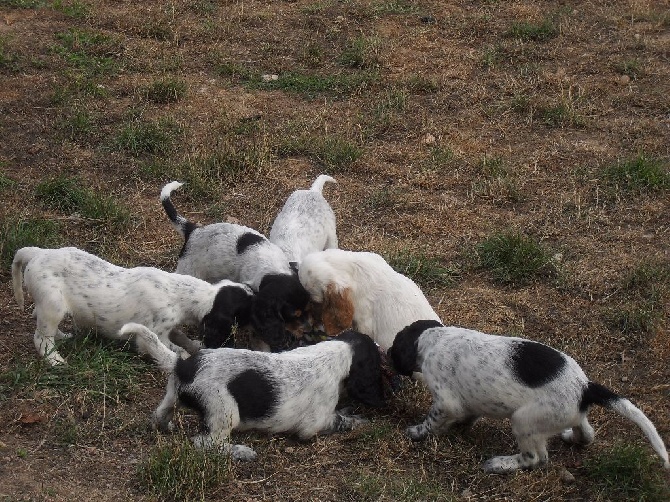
(241, 254)
(100, 295)
(542, 391)
(295, 391)
(306, 223)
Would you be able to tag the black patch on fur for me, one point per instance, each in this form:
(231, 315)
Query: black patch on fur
(535, 364)
(186, 228)
(232, 305)
(403, 352)
(281, 299)
(248, 239)
(186, 369)
(364, 382)
(594, 393)
(255, 394)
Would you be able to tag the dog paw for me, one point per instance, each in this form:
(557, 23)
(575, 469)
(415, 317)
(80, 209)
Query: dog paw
(242, 453)
(55, 359)
(417, 432)
(568, 436)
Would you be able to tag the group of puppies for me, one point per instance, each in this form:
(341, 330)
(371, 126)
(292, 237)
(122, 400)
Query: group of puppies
(231, 275)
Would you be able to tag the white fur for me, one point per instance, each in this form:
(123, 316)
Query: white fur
(306, 223)
(361, 290)
(103, 296)
(303, 389)
(542, 391)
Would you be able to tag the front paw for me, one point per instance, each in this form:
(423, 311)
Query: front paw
(242, 453)
(417, 432)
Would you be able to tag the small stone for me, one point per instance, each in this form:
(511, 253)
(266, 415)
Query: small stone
(624, 378)
(624, 80)
(467, 493)
(567, 477)
(289, 449)
(269, 77)
(428, 139)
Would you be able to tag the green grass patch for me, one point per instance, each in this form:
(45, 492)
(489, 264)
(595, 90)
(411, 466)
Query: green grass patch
(515, 259)
(9, 60)
(637, 174)
(6, 182)
(166, 90)
(425, 270)
(176, 470)
(361, 53)
(68, 195)
(152, 138)
(27, 232)
(23, 4)
(627, 472)
(373, 487)
(78, 124)
(562, 114)
(536, 32)
(72, 8)
(630, 68)
(333, 153)
(98, 368)
(94, 53)
(397, 7)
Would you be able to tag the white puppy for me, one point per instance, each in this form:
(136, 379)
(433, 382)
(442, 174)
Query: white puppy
(241, 254)
(306, 223)
(103, 296)
(361, 290)
(294, 391)
(541, 390)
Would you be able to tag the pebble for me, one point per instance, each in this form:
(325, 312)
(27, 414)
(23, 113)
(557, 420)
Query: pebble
(624, 79)
(269, 77)
(567, 477)
(624, 378)
(428, 139)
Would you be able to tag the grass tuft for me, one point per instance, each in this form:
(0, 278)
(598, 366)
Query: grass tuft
(166, 90)
(526, 31)
(176, 470)
(425, 270)
(639, 173)
(333, 153)
(515, 259)
(627, 472)
(153, 138)
(32, 232)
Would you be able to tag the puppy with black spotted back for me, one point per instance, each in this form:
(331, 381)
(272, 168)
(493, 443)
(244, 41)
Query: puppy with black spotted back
(296, 391)
(542, 391)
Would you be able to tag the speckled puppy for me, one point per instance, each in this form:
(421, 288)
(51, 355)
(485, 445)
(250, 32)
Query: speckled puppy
(306, 223)
(294, 391)
(103, 296)
(543, 391)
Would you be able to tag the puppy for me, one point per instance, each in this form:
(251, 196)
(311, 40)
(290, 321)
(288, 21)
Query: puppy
(541, 390)
(103, 296)
(241, 254)
(361, 290)
(306, 223)
(293, 391)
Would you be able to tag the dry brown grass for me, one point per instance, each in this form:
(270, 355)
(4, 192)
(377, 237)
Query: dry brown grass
(445, 87)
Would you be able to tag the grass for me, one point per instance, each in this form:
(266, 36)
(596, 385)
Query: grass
(176, 470)
(96, 368)
(425, 270)
(8, 59)
(627, 472)
(78, 124)
(536, 32)
(27, 232)
(166, 90)
(312, 85)
(372, 487)
(94, 53)
(68, 195)
(361, 53)
(514, 259)
(640, 173)
(333, 153)
(149, 138)
(72, 8)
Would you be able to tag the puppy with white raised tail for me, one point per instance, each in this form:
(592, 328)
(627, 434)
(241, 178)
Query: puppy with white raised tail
(306, 223)
(97, 294)
(294, 391)
(542, 391)
(241, 254)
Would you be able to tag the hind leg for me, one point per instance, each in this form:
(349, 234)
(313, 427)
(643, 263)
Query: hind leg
(221, 418)
(580, 434)
(162, 417)
(532, 426)
(45, 334)
(442, 415)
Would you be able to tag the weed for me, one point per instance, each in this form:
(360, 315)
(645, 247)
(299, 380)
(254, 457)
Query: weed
(31, 232)
(176, 470)
(639, 173)
(562, 114)
(154, 138)
(66, 194)
(527, 31)
(514, 259)
(420, 84)
(425, 270)
(166, 90)
(627, 472)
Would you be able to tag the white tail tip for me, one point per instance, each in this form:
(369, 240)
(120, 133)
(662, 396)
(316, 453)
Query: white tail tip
(169, 188)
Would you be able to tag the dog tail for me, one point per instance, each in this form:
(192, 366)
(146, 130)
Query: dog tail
(317, 186)
(21, 259)
(148, 343)
(183, 226)
(598, 394)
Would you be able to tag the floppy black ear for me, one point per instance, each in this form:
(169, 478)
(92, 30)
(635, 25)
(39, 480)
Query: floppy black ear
(365, 375)
(217, 331)
(404, 351)
(268, 323)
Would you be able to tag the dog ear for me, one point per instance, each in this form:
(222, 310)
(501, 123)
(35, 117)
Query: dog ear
(404, 351)
(337, 311)
(217, 331)
(365, 382)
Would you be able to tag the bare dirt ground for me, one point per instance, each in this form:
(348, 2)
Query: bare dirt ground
(465, 129)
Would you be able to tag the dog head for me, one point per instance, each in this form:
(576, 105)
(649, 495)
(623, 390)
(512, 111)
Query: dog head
(232, 305)
(364, 382)
(279, 306)
(404, 351)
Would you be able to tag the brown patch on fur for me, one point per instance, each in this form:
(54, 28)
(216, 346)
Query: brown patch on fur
(337, 311)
